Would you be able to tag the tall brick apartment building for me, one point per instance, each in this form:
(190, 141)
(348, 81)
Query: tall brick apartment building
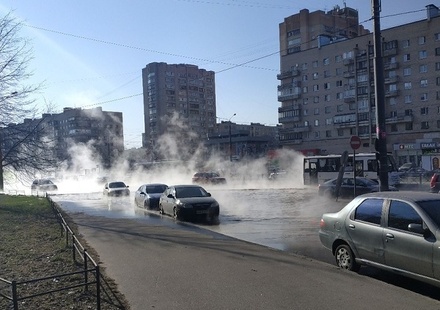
(326, 86)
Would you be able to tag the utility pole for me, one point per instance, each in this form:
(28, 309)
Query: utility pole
(230, 137)
(381, 143)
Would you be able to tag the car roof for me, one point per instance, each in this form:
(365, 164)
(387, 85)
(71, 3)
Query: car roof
(412, 196)
(185, 185)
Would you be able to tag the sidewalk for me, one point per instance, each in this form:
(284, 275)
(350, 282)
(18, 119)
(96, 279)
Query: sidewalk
(160, 264)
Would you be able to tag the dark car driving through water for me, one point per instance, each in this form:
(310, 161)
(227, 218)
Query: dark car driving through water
(363, 186)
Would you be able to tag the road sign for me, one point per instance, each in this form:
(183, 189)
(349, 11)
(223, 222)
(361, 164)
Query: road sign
(355, 142)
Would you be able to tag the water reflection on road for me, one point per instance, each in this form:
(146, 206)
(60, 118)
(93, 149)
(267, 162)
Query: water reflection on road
(285, 218)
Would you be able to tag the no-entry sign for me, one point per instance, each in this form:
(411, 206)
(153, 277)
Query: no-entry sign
(355, 142)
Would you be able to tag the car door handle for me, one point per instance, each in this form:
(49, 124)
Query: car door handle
(351, 226)
(389, 236)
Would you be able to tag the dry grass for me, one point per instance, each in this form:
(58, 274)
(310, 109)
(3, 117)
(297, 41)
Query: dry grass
(32, 246)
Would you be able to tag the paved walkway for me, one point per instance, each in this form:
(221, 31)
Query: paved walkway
(160, 264)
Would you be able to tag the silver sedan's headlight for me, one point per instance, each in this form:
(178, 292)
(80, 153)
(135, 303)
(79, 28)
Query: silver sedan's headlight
(184, 205)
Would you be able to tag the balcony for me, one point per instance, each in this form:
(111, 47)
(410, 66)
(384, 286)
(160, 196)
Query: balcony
(400, 119)
(393, 79)
(390, 52)
(290, 141)
(391, 65)
(347, 61)
(288, 119)
(347, 124)
(391, 93)
(290, 93)
(288, 74)
(293, 107)
(348, 74)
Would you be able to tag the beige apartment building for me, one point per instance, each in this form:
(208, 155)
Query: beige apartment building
(327, 87)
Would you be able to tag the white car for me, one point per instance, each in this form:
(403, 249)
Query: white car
(116, 189)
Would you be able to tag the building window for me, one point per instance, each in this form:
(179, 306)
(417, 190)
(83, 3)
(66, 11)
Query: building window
(327, 98)
(392, 101)
(328, 133)
(408, 126)
(306, 112)
(423, 54)
(424, 83)
(408, 99)
(393, 127)
(339, 83)
(315, 75)
(316, 87)
(424, 97)
(437, 66)
(437, 81)
(407, 71)
(316, 111)
(338, 58)
(326, 61)
(437, 51)
(326, 85)
(305, 89)
(338, 71)
(326, 73)
(408, 112)
(407, 85)
(437, 95)
(316, 122)
(340, 132)
(305, 101)
(315, 64)
(437, 36)
(305, 78)
(339, 96)
(423, 68)
(328, 121)
(316, 99)
(424, 111)
(422, 40)
(424, 125)
(317, 134)
(438, 123)
(339, 108)
(328, 109)
(405, 43)
(406, 57)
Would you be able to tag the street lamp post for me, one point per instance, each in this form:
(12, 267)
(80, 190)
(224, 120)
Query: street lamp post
(230, 137)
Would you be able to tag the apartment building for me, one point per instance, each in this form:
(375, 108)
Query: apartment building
(327, 90)
(102, 131)
(179, 99)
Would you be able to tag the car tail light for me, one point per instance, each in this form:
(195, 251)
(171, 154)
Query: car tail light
(322, 223)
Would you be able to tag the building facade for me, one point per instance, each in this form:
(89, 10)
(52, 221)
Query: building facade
(179, 100)
(242, 141)
(101, 130)
(327, 91)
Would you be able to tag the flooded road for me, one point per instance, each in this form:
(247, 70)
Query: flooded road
(282, 218)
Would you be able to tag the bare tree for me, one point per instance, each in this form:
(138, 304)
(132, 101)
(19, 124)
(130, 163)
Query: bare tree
(23, 145)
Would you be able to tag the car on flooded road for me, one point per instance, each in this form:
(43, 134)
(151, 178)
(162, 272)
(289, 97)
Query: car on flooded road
(208, 178)
(147, 195)
(363, 186)
(43, 186)
(189, 202)
(394, 231)
(116, 189)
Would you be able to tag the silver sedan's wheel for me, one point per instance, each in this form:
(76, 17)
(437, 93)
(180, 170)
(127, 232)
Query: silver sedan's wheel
(345, 258)
(161, 209)
(176, 215)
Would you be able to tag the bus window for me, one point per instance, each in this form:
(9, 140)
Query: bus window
(306, 166)
(372, 165)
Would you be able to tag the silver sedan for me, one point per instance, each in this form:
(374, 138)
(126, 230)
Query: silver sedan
(395, 231)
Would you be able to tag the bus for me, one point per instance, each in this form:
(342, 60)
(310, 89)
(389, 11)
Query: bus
(320, 168)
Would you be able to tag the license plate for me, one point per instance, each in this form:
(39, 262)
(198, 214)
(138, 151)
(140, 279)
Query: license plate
(202, 212)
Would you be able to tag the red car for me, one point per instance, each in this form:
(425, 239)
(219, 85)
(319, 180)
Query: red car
(435, 183)
(208, 178)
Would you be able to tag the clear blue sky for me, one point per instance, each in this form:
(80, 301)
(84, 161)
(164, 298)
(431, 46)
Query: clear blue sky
(91, 53)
